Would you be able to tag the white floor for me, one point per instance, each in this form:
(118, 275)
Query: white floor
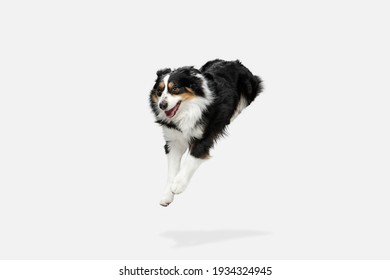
(304, 173)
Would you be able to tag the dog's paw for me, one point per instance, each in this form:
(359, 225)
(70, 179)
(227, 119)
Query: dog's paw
(178, 186)
(166, 199)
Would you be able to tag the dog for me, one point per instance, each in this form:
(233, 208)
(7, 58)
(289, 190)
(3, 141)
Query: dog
(194, 108)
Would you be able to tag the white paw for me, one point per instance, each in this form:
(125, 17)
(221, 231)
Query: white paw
(166, 199)
(178, 186)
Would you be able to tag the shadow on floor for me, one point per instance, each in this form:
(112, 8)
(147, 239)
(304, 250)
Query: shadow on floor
(184, 238)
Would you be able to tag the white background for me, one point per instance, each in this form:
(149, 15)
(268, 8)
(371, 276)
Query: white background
(304, 173)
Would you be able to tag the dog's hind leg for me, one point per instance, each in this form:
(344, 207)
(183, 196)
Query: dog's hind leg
(174, 151)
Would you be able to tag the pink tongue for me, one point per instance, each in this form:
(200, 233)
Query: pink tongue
(172, 112)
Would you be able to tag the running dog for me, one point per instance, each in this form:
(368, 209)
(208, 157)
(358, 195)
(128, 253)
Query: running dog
(194, 108)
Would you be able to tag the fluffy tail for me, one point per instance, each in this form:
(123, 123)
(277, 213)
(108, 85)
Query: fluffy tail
(250, 87)
(257, 86)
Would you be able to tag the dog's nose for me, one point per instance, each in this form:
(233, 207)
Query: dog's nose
(163, 105)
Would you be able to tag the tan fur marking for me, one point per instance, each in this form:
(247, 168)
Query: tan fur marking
(161, 85)
(207, 156)
(190, 90)
(170, 85)
(155, 98)
(187, 96)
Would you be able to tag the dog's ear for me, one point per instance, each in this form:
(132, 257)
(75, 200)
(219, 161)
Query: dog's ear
(194, 71)
(163, 72)
(189, 70)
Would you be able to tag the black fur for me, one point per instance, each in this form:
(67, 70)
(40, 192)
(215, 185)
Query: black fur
(166, 148)
(229, 81)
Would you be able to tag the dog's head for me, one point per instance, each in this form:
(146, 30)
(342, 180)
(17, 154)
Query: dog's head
(174, 89)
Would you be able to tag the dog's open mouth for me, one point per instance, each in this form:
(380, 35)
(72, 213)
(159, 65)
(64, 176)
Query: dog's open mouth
(172, 112)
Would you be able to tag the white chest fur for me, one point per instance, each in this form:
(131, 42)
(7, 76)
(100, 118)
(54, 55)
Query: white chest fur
(184, 136)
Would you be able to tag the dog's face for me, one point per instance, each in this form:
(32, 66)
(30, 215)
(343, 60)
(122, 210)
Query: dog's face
(173, 89)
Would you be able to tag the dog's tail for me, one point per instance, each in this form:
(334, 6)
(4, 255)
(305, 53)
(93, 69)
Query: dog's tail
(250, 86)
(257, 85)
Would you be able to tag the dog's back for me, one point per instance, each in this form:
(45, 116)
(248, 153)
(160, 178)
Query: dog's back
(232, 75)
(233, 86)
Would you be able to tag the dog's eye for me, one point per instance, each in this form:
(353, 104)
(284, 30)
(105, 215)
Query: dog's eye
(175, 89)
(159, 92)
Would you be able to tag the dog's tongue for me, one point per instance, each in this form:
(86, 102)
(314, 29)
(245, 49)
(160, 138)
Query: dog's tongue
(172, 112)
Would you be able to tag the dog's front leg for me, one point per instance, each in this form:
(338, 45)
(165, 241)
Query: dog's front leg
(199, 153)
(188, 169)
(174, 151)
